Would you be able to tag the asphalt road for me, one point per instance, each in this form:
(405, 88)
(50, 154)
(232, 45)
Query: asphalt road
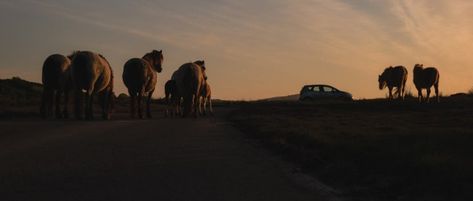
(158, 159)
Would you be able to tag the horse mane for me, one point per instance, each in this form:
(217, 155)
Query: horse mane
(73, 54)
(154, 54)
(386, 72)
(201, 63)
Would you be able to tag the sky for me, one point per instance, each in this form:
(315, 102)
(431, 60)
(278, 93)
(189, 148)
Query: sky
(252, 48)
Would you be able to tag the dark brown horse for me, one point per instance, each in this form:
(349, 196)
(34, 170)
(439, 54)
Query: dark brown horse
(140, 77)
(56, 79)
(394, 77)
(425, 78)
(189, 79)
(173, 101)
(92, 73)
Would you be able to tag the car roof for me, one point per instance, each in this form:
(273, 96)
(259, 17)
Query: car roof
(321, 85)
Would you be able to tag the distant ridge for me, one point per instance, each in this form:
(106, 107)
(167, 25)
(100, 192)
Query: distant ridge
(293, 97)
(18, 91)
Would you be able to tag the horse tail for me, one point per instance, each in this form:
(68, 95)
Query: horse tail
(83, 70)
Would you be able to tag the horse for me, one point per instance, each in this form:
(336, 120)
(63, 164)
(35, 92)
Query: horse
(394, 77)
(56, 78)
(92, 73)
(140, 77)
(206, 95)
(172, 99)
(189, 79)
(425, 78)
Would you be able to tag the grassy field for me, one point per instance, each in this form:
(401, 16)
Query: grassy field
(373, 149)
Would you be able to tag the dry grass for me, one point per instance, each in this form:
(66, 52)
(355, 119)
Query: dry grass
(373, 150)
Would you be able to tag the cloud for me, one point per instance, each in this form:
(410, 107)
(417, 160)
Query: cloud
(275, 46)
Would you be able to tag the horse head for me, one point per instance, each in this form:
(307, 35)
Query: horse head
(418, 67)
(201, 63)
(155, 58)
(382, 79)
(382, 82)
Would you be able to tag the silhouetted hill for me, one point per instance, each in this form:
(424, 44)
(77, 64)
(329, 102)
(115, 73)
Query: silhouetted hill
(16, 91)
(294, 97)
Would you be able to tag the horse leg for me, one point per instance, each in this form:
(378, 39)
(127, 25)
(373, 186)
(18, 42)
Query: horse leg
(428, 95)
(139, 100)
(419, 95)
(65, 113)
(436, 87)
(148, 103)
(58, 104)
(44, 100)
(196, 102)
(78, 104)
(390, 93)
(204, 106)
(132, 103)
(50, 103)
(89, 112)
(211, 110)
(168, 104)
(105, 104)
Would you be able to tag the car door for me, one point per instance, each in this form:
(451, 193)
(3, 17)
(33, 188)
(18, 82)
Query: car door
(329, 92)
(316, 92)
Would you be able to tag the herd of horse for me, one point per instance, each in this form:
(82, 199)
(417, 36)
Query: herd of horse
(424, 78)
(87, 74)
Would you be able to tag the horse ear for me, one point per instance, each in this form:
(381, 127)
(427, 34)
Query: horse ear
(160, 51)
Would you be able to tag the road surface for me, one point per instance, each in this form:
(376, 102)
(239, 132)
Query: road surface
(158, 159)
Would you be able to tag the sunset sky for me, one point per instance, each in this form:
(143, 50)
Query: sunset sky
(253, 48)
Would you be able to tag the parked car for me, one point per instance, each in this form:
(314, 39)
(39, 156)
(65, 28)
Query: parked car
(323, 92)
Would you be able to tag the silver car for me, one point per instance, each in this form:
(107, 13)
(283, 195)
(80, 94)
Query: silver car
(323, 92)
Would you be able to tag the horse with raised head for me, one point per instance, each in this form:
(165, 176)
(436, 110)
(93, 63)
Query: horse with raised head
(425, 78)
(92, 73)
(56, 78)
(394, 77)
(140, 77)
(189, 79)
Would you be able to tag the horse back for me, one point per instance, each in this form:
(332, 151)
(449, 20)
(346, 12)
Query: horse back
(91, 71)
(137, 74)
(426, 77)
(55, 72)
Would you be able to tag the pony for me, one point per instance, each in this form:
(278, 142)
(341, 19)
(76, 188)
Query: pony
(140, 77)
(56, 78)
(189, 79)
(425, 78)
(172, 99)
(92, 73)
(206, 95)
(394, 77)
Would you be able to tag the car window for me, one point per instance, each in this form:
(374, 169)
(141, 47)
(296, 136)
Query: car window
(328, 89)
(316, 89)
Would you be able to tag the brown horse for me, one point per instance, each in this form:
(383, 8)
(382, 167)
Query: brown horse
(425, 78)
(173, 101)
(56, 78)
(189, 79)
(394, 77)
(92, 73)
(140, 77)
